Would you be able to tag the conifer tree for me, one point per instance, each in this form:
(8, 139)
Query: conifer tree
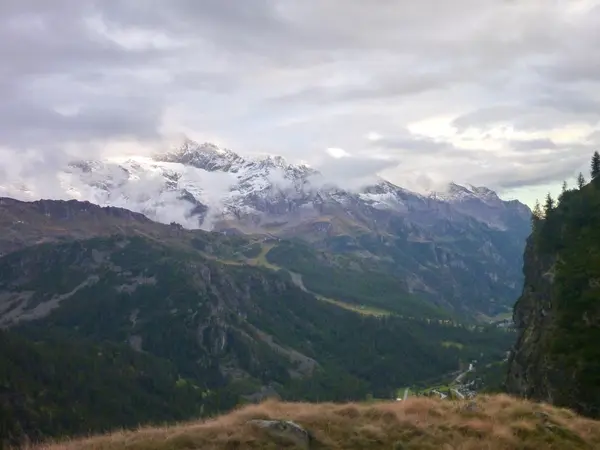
(564, 189)
(580, 180)
(549, 205)
(537, 214)
(595, 165)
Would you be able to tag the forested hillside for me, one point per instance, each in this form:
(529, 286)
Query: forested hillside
(557, 357)
(140, 303)
(54, 386)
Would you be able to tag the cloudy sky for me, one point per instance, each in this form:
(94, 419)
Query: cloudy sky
(503, 93)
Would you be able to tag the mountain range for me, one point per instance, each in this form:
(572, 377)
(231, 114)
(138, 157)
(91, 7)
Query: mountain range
(460, 249)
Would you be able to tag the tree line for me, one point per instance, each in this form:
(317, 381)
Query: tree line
(540, 212)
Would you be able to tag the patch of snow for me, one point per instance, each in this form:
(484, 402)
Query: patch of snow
(458, 193)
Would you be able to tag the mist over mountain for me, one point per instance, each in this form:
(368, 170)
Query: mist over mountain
(460, 248)
(203, 185)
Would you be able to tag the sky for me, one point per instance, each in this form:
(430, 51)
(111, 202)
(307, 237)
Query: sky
(501, 93)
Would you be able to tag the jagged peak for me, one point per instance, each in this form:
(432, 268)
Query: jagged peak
(189, 146)
(454, 187)
(483, 191)
(269, 161)
(384, 186)
(206, 156)
(211, 157)
(457, 192)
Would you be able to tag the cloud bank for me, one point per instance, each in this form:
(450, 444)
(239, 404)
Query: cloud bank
(495, 92)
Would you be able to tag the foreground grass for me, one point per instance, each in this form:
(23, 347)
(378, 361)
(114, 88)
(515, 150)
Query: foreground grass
(493, 423)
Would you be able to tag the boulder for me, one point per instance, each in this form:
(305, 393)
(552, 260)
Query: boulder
(284, 430)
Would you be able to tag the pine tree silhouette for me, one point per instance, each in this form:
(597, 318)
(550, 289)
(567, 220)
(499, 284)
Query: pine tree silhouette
(580, 180)
(595, 165)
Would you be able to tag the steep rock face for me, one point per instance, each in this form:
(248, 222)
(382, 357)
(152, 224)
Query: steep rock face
(557, 357)
(529, 362)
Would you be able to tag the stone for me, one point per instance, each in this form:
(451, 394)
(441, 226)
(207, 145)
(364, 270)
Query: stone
(471, 407)
(285, 430)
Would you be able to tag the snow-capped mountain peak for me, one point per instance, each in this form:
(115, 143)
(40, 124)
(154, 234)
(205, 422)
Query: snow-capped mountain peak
(210, 157)
(200, 185)
(204, 156)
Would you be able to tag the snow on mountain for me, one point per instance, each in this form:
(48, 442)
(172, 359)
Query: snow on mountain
(205, 156)
(483, 204)
(457, 193)
(201, 185)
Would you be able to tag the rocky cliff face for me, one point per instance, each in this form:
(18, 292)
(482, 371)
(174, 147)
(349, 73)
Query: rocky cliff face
(557, 358)
(533, 318)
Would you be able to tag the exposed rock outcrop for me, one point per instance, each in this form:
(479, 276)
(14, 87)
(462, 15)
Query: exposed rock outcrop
(528, 362)
(284, 430)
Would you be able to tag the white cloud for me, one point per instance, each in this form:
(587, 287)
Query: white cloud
(337, 152)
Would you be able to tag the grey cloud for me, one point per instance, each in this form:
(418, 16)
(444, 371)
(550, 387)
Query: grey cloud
(515, 171)
(34, 124)
(571, 102)
(580, 60)
(406, 143)
(58, 59)
(54, 61)
(385, 88)
(202, 80)
(532, 144)
(594, 137)
(330, 71)
(490, 115)
(253, 26)
(351, 172)
(529, 163)
(554, 171)
(540, 115)
(45, 40)
(354, 167)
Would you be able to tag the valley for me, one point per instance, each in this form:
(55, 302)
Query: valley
(233, 317)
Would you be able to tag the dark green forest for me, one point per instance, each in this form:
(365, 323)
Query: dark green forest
(54, 386)
(340, 280)
(146, 331)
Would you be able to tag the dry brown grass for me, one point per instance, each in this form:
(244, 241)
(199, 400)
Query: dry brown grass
(495, 423)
